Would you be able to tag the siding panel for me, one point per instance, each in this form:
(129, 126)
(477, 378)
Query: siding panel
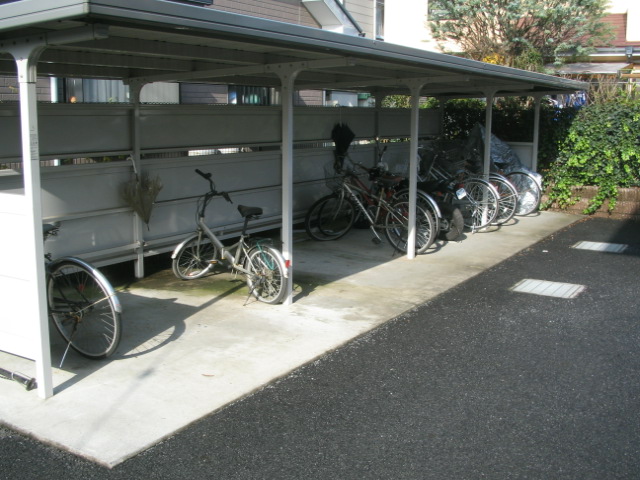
(290, 11)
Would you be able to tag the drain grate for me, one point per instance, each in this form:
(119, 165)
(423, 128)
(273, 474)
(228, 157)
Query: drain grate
(548, 289)
(601, 247)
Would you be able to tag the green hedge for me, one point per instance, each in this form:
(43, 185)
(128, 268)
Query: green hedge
(602, 149)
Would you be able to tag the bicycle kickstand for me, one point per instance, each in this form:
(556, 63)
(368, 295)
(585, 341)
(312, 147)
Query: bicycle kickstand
(376, 237)
(253, 287)
(28, 383)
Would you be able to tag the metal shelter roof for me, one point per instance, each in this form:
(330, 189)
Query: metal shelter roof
(159, 40)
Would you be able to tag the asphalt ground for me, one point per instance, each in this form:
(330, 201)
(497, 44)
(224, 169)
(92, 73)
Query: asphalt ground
(479, 382)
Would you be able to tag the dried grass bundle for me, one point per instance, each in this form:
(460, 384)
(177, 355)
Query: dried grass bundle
(140, 193)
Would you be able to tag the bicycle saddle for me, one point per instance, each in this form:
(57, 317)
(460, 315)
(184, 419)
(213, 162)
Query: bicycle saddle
(249, 211)
(388, 182)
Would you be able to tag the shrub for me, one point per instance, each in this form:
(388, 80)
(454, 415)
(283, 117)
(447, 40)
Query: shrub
(602, 149)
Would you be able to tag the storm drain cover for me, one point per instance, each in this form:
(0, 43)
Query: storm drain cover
(548, 289)
(601, 247)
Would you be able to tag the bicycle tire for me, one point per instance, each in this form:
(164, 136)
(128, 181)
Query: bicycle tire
(481, 207)
(452, 224)
(529, 192)
(84, 308)
(194, 257)
(330, 218)
(267, 280)
(424, 200)
(507, 198)
(396, 227)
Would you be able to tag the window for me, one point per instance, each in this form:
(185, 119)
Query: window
(242, 95)
(85, 90)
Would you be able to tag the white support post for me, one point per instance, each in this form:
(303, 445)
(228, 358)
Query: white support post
(26, 52)
(26, 60)
(287, 79)
(486, 170)
(413, 168)
(138, 227)
(536, 132)
(490, 94)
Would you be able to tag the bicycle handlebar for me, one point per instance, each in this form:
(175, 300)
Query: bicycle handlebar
(206, 176)
(375, 173)
(212, 187)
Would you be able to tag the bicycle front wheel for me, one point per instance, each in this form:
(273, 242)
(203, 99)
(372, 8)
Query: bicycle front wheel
(397, 227)
(507, 198)
(84, 308)
(481, 206)
(330, 218)
(267, 279)
(194, 257)
(425, 201)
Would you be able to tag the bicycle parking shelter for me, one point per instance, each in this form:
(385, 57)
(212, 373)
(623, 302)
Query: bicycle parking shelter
(146, 41)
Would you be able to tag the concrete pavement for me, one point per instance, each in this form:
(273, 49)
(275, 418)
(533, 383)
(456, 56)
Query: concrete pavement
(190, 348)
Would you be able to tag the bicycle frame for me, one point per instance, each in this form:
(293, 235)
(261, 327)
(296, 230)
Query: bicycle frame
(352, 184)
(225, 252)
(241, 248)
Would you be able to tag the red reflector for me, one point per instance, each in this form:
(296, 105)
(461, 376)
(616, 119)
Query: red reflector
(287, 263)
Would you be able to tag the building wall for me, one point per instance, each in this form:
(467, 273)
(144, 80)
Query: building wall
(625, 18)
(290, 11)
(191, 93)
(309, 98)
(406, 24)
(9, 91)
(363, 12)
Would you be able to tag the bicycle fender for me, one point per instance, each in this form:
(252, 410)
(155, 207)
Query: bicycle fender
(279, 257)
(278, 254)
(432, 203)
(179, 246)
(97, 273)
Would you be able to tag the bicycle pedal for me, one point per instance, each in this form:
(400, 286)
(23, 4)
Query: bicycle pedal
(376, 240)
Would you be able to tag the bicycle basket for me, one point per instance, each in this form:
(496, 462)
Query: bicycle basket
(451, 157)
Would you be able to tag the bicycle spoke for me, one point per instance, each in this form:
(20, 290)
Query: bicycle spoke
(83, 310)
(266, 281)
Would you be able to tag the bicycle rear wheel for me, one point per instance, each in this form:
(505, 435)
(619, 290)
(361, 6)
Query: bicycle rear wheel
(84, 308)
(330, 218)
(267, 279)
(529, 192)
(194, 257)
(396, 227)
